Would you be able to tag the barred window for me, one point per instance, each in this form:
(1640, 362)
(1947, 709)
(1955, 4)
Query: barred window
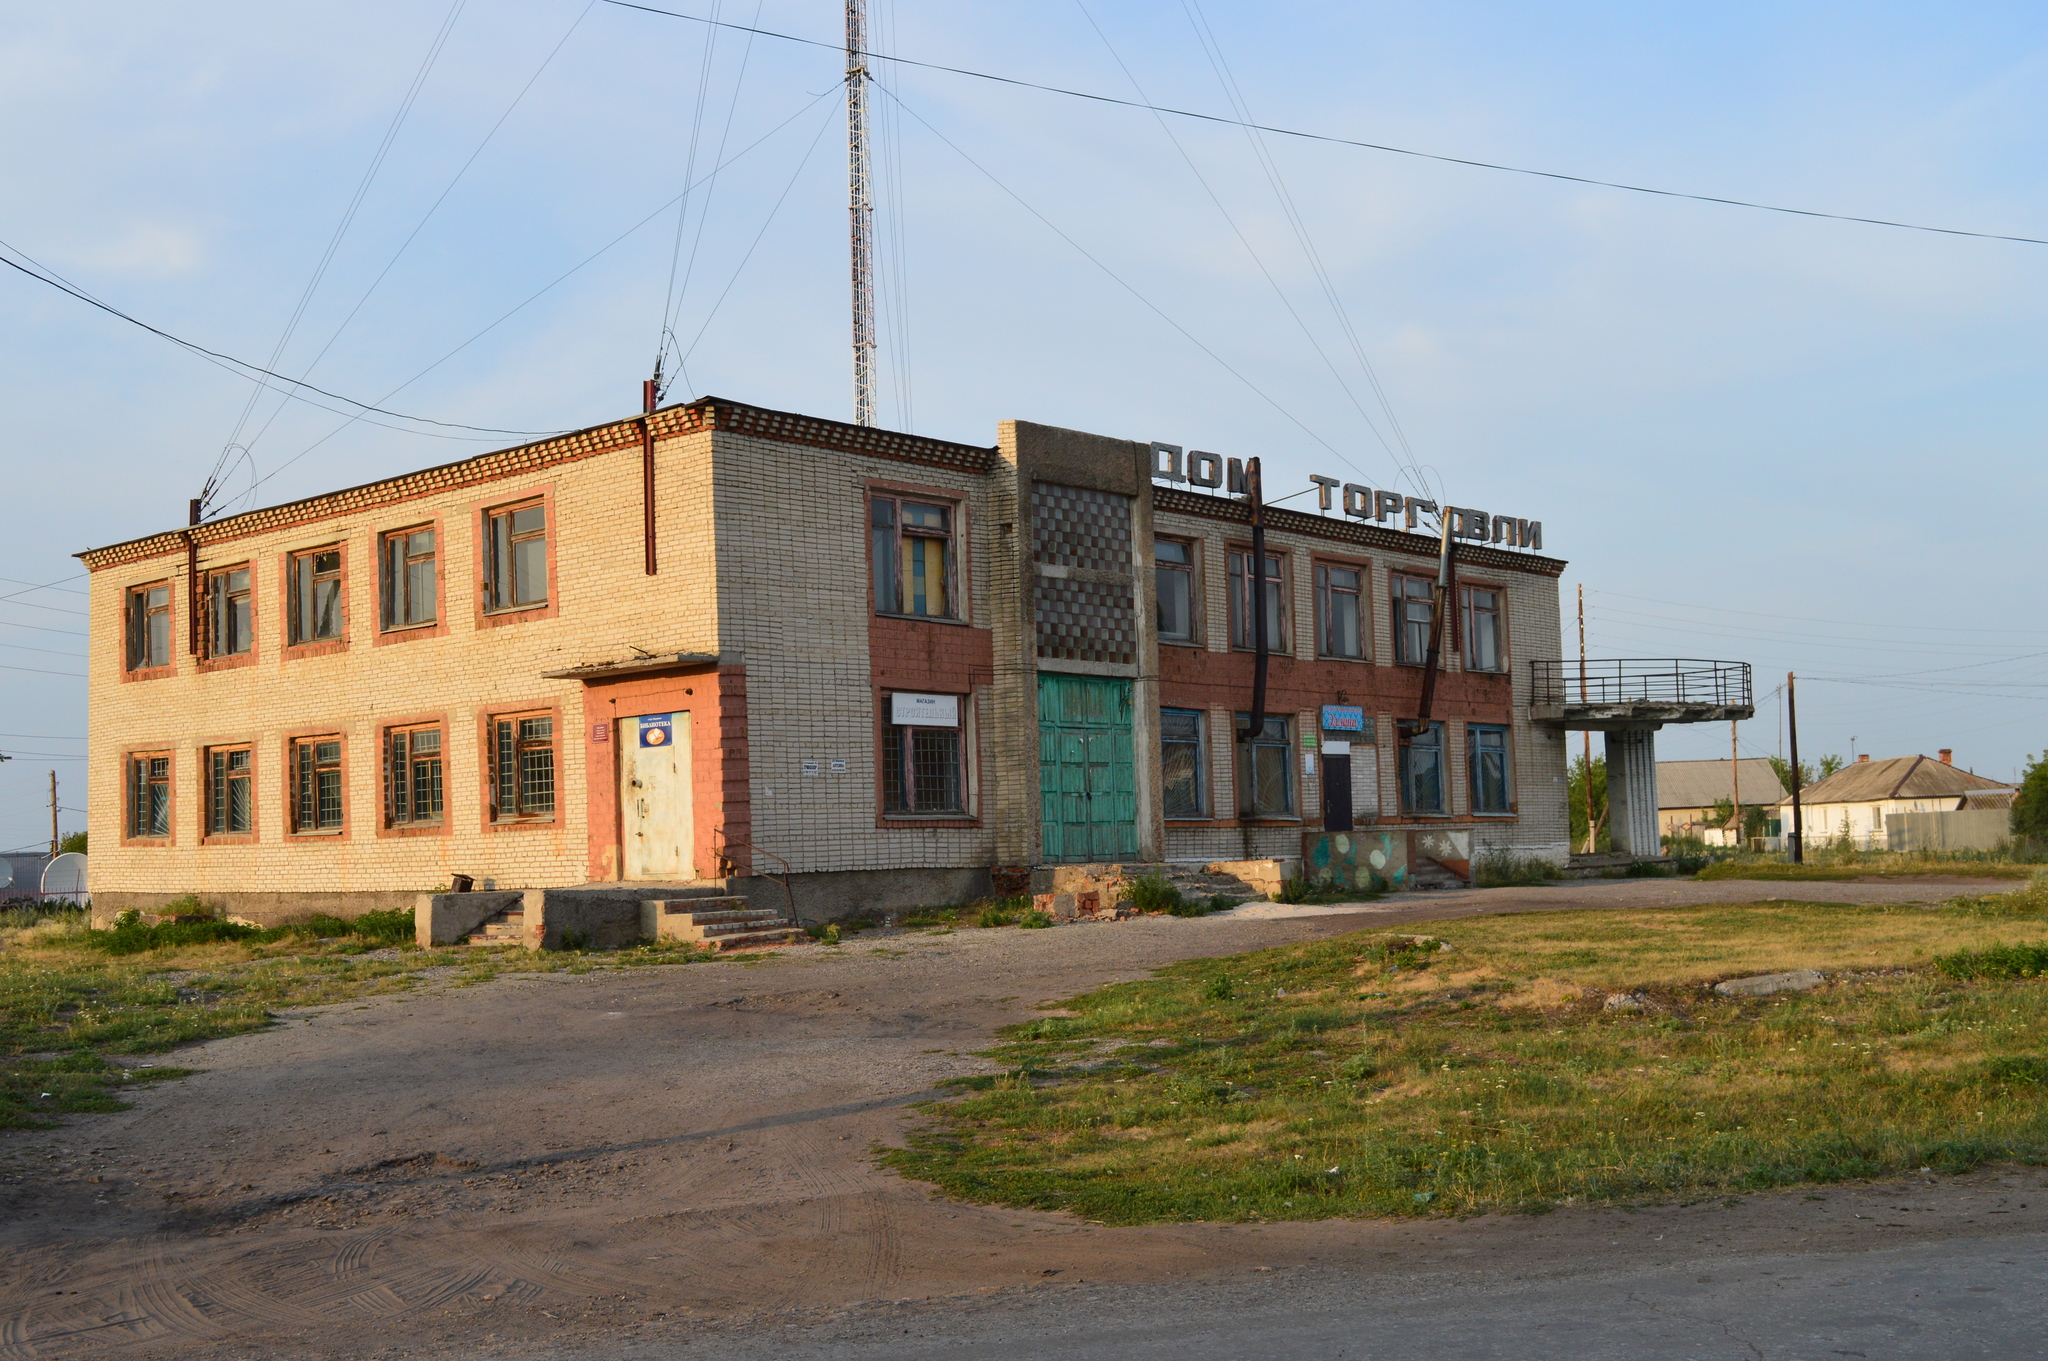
(149, 626)
(316, 785)
(316, 595)
(1180, 758)
(229, 809)
(921, 770)
(413, 777)
(1487, 754)
(1422, 772)
(229, 632)
(409, 595)
(516, 565)
(523, 769)
(149, 796)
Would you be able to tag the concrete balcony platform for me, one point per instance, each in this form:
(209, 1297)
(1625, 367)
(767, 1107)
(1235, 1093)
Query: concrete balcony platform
(1637, 694)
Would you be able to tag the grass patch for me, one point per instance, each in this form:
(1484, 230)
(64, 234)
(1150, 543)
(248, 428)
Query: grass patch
(1843, 866)
(1479, 1070)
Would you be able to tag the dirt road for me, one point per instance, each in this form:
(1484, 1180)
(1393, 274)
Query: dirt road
(559, 1161)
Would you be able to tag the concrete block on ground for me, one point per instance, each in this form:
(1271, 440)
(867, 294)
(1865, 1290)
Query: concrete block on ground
(1764, 984)
(445, 918)
(1263, 877)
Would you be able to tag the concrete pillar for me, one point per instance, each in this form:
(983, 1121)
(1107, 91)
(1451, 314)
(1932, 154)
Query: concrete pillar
(1632, 791)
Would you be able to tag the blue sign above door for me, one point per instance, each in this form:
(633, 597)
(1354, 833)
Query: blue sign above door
(657, 730)
(1343, 718)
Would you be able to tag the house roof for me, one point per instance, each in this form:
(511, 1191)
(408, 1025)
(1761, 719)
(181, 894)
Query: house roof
(1896, 777)
(1700, 784)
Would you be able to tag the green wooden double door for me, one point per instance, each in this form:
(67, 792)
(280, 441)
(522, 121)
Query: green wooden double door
(1087, 781)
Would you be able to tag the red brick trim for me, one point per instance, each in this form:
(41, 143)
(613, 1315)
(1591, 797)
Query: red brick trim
(706, 413)
(323, 647)
(487, 787)
(128, 796)
(255, 832)
(720, 798)
(291, 739)
(382, 636)
(146, 673)
(480, 533)
(385, 829)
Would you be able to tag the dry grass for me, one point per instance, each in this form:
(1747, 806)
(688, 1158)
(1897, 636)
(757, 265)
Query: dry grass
(1373, 1074)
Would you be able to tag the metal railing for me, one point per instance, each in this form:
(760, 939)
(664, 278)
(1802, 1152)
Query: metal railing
(1637, 680)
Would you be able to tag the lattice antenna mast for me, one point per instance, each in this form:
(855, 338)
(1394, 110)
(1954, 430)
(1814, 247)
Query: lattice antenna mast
(861, 211)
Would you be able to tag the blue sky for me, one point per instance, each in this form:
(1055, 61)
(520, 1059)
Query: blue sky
(1805, 444)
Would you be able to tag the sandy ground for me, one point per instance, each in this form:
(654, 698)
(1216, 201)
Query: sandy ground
(561, 1163)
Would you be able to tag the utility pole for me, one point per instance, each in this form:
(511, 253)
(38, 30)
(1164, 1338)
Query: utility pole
(1735, 778)
(1792, 727)
(54, 838)
(860, 209)
(1592, 838)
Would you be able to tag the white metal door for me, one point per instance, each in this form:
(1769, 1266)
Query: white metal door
(654, 797)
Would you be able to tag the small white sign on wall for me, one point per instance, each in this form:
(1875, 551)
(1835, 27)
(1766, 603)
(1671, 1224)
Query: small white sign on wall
(925, 711)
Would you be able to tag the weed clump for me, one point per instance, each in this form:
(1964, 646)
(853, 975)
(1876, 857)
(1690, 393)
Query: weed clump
(1502, 868)
(1034, 920)
(1995, 961)
(994, 912)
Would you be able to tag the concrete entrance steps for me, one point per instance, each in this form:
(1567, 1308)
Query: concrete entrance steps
(1425, 874)
(1203, 880)
(717, 923)
(1198, 881)
(505, 928)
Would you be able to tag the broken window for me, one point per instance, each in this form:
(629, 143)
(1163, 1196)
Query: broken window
(523, 765)
(912, 549)
(1340, 610)
(1265, 784)
(229, 809)
(409, 588)
(1184, 791)
(413, 777)
(149, 626)
(516, 560)
(316, 785)
(316, 595)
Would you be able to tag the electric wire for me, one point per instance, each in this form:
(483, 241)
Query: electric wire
(1117, 279)
(256, 369)
(39, 628)
(48, 586)
(668, 300)
(559, 279)
(1368, 146)
(427, 216)
(38, 671)
(348, 218)
(1245, 241)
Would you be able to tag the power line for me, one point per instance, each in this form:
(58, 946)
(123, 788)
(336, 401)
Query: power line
(245, 364)
(50, 586)
(1353, 142)
(38, 671)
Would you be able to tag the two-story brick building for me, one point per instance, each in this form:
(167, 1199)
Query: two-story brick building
(720, 640)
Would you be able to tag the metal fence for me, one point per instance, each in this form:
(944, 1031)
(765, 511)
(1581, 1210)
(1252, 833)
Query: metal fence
(1666, 680)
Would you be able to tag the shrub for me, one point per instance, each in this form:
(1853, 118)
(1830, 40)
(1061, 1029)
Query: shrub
(394, 927)
(1151, 893)
(1218, 989)
(1996, 961)
(1001, 911)
(1034, 920)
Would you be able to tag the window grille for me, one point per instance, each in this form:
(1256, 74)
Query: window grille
(524, 769)
(149, 796)
(229, 809)
(921, 770)
(316, 785)
(413, 777)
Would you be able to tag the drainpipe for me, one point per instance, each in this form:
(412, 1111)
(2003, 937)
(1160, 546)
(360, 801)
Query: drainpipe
(1255, 722)
(194, 600)
(1446, 584)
